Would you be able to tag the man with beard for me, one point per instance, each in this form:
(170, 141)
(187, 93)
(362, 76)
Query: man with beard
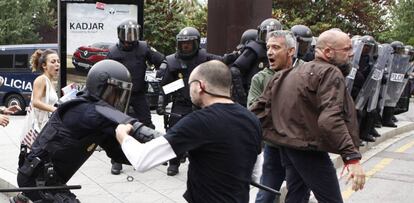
(313, 114)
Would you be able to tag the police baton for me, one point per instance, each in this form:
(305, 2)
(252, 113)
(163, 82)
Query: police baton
(173, 114)
(27, 189)
(264, 187)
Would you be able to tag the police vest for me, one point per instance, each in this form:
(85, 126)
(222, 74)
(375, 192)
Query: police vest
(181, 69)
(134, 61)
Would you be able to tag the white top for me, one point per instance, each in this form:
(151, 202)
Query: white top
(50, 98)
(148, 155)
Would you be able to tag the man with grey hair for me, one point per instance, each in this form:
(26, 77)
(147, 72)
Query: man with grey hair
(311, 113)
(223, 140)
(280, 46)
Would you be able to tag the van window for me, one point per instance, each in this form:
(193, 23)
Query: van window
(21, 61)
(6, 61)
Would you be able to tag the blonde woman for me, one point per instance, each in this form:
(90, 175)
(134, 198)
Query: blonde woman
(44, 94)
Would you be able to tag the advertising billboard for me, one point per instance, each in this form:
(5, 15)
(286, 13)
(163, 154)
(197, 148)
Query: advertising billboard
(87, 30)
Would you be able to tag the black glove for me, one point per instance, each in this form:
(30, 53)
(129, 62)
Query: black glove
(160, 105)
(161, 110)
(143, 133)
(230, 58)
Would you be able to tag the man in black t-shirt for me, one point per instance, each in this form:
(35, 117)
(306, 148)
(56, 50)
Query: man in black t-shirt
(222, 139)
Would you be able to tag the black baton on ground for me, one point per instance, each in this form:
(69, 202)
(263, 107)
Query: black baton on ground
(264, 187)
(25, 189)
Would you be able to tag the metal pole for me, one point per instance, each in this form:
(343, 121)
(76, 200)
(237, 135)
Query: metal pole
(24, 189)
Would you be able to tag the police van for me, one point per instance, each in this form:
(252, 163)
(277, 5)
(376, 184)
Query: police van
(16, 73)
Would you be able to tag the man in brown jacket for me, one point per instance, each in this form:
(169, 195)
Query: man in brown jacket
(309, 113)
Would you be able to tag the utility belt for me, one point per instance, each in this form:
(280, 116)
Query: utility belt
(40, 168)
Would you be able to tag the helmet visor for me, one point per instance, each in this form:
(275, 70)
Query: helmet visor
(129, 33)
(266, 29)
(303, 47)
(118, 94)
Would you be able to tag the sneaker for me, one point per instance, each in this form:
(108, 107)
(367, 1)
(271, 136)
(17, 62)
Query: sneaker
(116, 168)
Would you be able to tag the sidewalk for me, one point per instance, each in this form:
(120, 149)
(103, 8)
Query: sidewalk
(98, 185)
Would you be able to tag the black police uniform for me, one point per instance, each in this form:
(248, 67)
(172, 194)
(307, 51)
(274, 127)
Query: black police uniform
(180, 68)
(251, 60)
(366, 119)
(135, 61)
(65, 143)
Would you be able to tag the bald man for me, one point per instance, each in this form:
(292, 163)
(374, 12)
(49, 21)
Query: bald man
(223, 140)
(313, 114)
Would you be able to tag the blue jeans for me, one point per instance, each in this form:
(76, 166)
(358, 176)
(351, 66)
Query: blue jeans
(273, 174)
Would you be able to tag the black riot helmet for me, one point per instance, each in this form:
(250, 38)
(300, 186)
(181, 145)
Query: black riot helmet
(128, 31)
(370, 46)
(110, 81)
(248, 35)
(398, 47)
(304, 37)
(409, 50)
(188, 42)
(267, 26)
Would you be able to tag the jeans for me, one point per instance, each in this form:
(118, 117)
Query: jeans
(310, 170)
(273, 174)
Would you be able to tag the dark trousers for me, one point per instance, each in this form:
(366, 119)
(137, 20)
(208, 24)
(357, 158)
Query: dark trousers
(178, 112)
(310, 170)
(142, 112)
(273, 174)
(26, 181)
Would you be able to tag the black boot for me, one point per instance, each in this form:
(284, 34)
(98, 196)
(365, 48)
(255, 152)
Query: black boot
(387, 114)
(368, 138)
(375, 133)
(116, 168)
(172, 170)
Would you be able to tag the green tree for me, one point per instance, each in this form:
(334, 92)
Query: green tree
(195, 15)
(351, 16)
(20, 20)
(402, 23)
(164, 19)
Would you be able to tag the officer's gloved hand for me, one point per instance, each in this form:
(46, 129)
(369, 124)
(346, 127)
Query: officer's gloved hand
(230, 57)
(142, 133)
(160, 110)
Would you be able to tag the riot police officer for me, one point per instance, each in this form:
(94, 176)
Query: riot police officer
(304, 40)
(367, 51)
(135, 54)
(75, 129)
(388, 109)
(178, 68)
(404, 101)
(238, 92)
(253, 58)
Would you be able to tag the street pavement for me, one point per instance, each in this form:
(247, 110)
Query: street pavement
(98, 185)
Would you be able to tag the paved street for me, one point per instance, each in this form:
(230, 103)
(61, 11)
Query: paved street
(390, 180)
(390, 174)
